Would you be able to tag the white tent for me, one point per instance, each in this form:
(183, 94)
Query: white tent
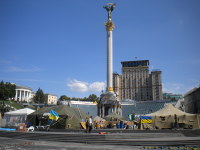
(24, 111)
(14, 118)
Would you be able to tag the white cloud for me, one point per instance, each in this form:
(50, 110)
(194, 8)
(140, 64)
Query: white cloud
(80, 86)
(97, 86)
(191, 62)
(34, 80)
(151, 67)
(175, 88)
(18, 69)
(3, 61)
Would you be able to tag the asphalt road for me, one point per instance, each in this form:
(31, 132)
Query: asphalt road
(71, 140)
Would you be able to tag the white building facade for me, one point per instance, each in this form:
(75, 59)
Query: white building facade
(51, 99)
(23, 94)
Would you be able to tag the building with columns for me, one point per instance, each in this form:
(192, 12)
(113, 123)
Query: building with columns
(23, 94)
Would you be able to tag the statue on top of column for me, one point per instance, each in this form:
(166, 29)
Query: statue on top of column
(109, 7)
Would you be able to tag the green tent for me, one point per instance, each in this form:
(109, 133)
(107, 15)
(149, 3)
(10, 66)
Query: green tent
(68, 117)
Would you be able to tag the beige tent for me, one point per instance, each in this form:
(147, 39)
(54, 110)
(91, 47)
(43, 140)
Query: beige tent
(169, 117)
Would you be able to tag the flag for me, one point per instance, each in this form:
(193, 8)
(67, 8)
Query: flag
(146, 119)
(53, 115)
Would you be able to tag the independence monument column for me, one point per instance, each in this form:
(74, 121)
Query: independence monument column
(109, 28)
(108, 102)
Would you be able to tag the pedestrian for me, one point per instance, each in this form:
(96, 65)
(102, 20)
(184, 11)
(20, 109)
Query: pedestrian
(176, 120)
(90, 124)
(87, 124)
(135, 125)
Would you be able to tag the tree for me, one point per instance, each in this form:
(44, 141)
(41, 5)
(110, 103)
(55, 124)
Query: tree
(7, 90)
(93, 97)
(74, 98)
(39, 96)
(64, 97)
(84, 99)
(10, 90)
(2, 90)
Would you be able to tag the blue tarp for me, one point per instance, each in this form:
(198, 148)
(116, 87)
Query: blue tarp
(7, 129)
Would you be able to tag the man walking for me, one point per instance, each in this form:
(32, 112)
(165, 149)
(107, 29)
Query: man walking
(90, 124)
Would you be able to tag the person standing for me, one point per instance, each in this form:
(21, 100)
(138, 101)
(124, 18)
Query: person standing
(90, 124)
(176, 120)
(87, 124)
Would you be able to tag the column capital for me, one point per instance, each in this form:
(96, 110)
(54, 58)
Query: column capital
(109, 25)
(110, 89)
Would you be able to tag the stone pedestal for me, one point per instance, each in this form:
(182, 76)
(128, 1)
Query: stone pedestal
(108, 104)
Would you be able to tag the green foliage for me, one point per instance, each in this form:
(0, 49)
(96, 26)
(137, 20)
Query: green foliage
(7, 90)
(39, 96)
(75, 99)
(93, 97)
(84, 99)
(14, 104)
(64, 97)
(32, 107)
(2, 90)
(6, 106)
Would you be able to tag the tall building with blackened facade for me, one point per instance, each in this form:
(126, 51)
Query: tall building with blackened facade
(137, 83)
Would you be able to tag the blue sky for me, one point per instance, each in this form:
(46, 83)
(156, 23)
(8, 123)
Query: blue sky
(60, 45)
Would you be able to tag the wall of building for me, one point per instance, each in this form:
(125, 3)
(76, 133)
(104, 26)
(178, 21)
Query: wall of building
(117, 85)
(192, 101)
(136, 83)
(171, 96)
(156, 85)
(51, 99)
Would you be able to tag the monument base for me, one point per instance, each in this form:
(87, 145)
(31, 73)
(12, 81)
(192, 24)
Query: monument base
(108, 104)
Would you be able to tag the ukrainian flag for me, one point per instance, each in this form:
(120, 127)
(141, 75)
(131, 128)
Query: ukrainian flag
(146, 119)
(53, 115)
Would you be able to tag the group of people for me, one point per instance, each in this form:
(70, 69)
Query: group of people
(89, 124)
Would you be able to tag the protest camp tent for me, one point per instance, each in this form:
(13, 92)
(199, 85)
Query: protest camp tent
(114, 117)
(168, 116)
(98, 119)
(68, 117)
(14, 118)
